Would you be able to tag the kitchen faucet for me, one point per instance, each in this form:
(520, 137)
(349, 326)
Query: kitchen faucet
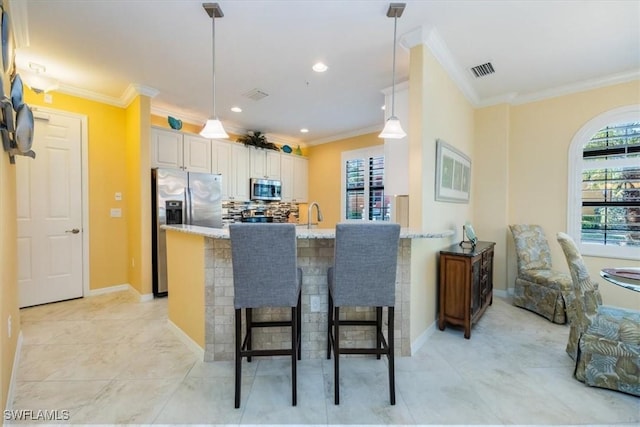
(309, 213)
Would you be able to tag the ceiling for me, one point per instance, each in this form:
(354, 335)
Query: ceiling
(99, 48)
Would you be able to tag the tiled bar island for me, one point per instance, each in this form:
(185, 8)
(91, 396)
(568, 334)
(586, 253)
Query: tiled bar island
(201, 292)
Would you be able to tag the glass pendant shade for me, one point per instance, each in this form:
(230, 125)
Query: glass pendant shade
(392, 129)
(213, 129)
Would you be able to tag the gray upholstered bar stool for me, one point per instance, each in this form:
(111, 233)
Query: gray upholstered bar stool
(265, 274)
(363, 275)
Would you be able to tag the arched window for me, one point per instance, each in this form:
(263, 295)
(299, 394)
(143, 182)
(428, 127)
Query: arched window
(604, 185)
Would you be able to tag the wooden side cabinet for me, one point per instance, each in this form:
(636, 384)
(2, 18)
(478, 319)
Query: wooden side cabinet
(465, 285)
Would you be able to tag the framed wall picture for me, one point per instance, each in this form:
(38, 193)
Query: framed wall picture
(453, 174)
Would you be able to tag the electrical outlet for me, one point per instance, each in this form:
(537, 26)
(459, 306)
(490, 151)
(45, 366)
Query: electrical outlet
(9, 326)
(315, 303)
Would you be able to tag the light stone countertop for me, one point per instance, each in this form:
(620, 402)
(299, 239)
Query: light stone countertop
(303, 233)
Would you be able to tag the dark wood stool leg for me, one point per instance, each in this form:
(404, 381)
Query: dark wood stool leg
(238, 319)
(299, 320)
(378, 330)
(249, 314)
(329, 323)
(391, 356)
(294, 356)
(336, 355)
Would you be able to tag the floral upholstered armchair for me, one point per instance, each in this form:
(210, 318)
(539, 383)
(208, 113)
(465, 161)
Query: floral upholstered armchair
(538, 288)
(607, 347)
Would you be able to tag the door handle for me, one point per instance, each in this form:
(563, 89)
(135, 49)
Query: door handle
(74, 231)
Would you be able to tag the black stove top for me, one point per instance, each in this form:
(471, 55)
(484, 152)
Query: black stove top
(255, 219)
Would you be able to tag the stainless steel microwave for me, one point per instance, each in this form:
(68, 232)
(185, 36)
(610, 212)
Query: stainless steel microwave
(265, 189)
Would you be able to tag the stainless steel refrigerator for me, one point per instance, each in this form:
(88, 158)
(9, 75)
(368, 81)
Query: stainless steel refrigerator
(180, 197)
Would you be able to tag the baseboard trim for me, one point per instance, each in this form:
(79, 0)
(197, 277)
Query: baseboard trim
(109, 289)
(422, 338)
(145, 297)
(502, 293)
(187, 340)
(121, 288)
(14, 373)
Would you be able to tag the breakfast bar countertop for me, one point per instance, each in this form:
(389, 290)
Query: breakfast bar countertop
(303, 232)
(200, 290)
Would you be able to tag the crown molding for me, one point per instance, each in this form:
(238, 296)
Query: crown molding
(123, 101)
(430, 37)
(351, 134)
(507, 98)
(577, 87)
(135, 89)
(90, 95)
(404, 85)
(165, 110)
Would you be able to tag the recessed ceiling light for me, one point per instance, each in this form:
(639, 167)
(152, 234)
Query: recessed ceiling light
(304, 130)
(320, 67)
(236, 109)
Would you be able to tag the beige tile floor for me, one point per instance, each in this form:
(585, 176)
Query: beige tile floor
(112, 360)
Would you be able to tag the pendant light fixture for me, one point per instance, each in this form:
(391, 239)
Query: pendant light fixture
(393, 128)
(213, 128)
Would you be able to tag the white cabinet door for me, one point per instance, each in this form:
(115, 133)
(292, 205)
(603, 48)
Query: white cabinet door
(196, 154)
(175, 150)
(286, 176)
(239, 172)
(166, 149)
(257, 162)
(272, 164)
(264, 163)
(300, 179)
(221, 163)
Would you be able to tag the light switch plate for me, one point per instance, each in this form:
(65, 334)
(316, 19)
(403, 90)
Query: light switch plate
(314, 302)
(118, 196)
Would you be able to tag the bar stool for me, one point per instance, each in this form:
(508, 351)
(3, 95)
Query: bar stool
(265, 274)
(363, 275)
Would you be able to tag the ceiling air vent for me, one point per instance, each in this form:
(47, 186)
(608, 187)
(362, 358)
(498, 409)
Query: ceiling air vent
(255, 94)
(483, 70)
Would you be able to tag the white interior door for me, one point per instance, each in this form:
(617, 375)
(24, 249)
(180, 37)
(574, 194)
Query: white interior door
(49, 205)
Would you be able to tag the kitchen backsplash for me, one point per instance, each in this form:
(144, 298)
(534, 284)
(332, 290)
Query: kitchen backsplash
(281, 212)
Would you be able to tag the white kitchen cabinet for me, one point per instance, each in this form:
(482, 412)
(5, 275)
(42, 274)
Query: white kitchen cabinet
(264, 163)
(172, 149)
(294, 177)
(239, 189)
(221, 163)
(300, 179)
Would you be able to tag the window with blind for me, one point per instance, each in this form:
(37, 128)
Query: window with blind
(363, 189)
(607, 179)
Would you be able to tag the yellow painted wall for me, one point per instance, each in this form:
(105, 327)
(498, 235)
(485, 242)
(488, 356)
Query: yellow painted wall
(490, 170)
(325, 175)
(438, 111)
(139, 194)
(540, 136)
(8, 273)
(107, 174)
(186, 306)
